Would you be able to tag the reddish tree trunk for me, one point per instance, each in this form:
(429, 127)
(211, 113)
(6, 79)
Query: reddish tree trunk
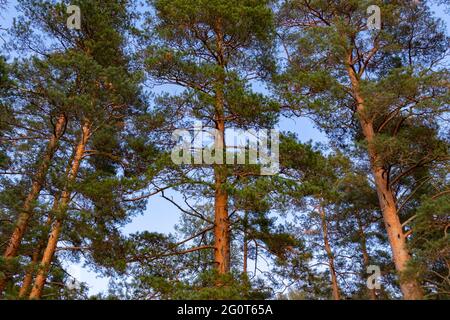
(28, 279)
(410, 287)
(50, 249)
(221, 218)
(36, 187)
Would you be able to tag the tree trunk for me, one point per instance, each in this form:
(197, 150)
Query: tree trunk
(221, 218)
(365, 253)
(221, 231)
(36, 187)
(334, 281)
(50, 249)
(410, 287)
(28, 279)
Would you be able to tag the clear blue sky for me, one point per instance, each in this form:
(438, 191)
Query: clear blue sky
(161, 216)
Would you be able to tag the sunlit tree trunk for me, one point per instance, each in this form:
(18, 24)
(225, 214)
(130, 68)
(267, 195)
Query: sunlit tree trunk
(50, 249)
(30, 200)
(28, 278)
(221, 218)
(410, 287)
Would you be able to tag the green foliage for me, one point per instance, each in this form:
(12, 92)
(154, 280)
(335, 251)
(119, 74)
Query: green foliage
(430, 246)
(237, 64)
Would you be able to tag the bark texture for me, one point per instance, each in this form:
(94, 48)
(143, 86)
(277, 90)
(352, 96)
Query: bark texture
(50, 249)
(410, 287)
(36, 187)
(37, 252)
(221, 218)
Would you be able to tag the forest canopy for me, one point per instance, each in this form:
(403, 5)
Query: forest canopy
(303, 146)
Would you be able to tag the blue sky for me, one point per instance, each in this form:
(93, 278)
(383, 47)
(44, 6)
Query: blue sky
(161, 216)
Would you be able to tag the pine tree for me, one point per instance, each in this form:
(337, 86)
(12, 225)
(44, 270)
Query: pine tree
(56, 126)
(378, 86)
(86, 140)
(429, 224)
(212, 49)
(6, 112)
(100, 91)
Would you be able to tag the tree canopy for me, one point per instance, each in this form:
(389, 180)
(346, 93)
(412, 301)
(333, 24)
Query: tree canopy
(92, 118)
